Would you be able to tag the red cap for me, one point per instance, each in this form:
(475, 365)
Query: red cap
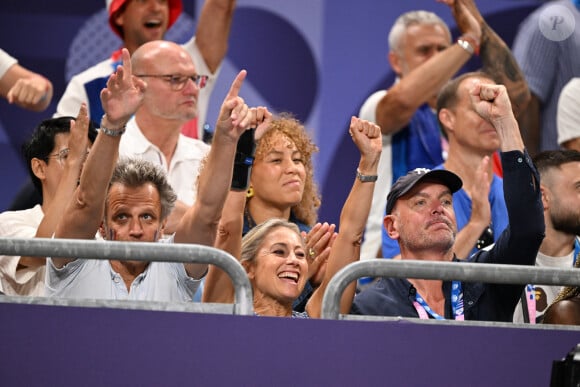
(113, 6)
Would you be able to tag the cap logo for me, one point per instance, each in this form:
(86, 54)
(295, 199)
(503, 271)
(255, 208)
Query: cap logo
(421, 171)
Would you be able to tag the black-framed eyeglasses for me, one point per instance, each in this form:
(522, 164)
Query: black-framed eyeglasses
(178, 81)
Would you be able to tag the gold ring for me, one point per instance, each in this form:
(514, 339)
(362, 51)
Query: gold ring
(312, 252)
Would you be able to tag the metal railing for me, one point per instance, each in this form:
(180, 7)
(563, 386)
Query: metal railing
(137, 251)
(446, 271)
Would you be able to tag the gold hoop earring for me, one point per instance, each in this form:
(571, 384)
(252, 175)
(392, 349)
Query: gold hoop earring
(250, 193)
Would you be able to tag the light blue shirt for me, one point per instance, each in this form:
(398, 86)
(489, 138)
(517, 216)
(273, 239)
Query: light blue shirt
(96, 279)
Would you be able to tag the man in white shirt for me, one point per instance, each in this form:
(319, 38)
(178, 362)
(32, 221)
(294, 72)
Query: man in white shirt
(560, 179)
(154, 133)
(138, 22)
(54, 156)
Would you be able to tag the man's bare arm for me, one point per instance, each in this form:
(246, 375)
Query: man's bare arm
(421, 85)
(78, 144)
(26, 89)
(213, 31)
(121, 98)
(498, 61)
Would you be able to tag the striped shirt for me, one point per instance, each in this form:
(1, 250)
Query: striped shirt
(548, 65)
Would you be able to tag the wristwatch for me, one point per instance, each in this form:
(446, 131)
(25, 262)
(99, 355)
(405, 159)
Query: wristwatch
(366, 178)
(466, 46)
(112, 132)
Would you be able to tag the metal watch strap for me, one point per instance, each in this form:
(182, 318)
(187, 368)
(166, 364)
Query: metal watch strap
(466, 46)
(112, 132)
(366, 178)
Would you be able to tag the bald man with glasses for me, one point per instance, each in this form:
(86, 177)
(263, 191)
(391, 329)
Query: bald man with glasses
(154, 133)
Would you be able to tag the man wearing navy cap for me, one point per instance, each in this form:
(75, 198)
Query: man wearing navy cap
(421, 218)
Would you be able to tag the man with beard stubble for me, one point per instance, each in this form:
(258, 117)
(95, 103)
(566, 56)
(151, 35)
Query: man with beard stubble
(560, 185)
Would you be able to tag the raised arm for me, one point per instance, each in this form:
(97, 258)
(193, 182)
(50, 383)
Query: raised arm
(353, 217)
(121, 98)
(213, 31)
(200, 222)
(422, 84)
(497, 58)
(218, 286)
(78, 144)
(519, 242)
(398, 106)
(25, 88)
(493, 104)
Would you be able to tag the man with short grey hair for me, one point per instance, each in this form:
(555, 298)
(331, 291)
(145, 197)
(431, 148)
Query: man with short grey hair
(423, 58)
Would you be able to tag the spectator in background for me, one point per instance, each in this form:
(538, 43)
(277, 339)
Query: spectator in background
(559, 181)
(154, 132)
(54, 156)
(422, 56)
(569, 116)
(142, 21)
(23, 87)
(547, 48)
(479, 206)
(420, 216)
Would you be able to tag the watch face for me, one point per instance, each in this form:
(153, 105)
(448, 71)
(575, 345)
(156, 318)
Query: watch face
(486, 238)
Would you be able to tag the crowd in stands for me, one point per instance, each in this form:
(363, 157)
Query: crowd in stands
(475, 167)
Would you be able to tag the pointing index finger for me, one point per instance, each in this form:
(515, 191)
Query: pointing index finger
(237, 84)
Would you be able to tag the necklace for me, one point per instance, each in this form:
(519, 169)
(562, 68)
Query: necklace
(249, 220)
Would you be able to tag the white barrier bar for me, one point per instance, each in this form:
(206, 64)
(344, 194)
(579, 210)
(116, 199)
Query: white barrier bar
(139, 251)
(446, 271)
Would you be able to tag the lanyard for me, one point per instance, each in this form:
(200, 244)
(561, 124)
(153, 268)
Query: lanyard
(531, 289)
(425, 310)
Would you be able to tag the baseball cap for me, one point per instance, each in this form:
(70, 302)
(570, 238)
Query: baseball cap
(569, 112)
(405, 183)
(113, 6)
